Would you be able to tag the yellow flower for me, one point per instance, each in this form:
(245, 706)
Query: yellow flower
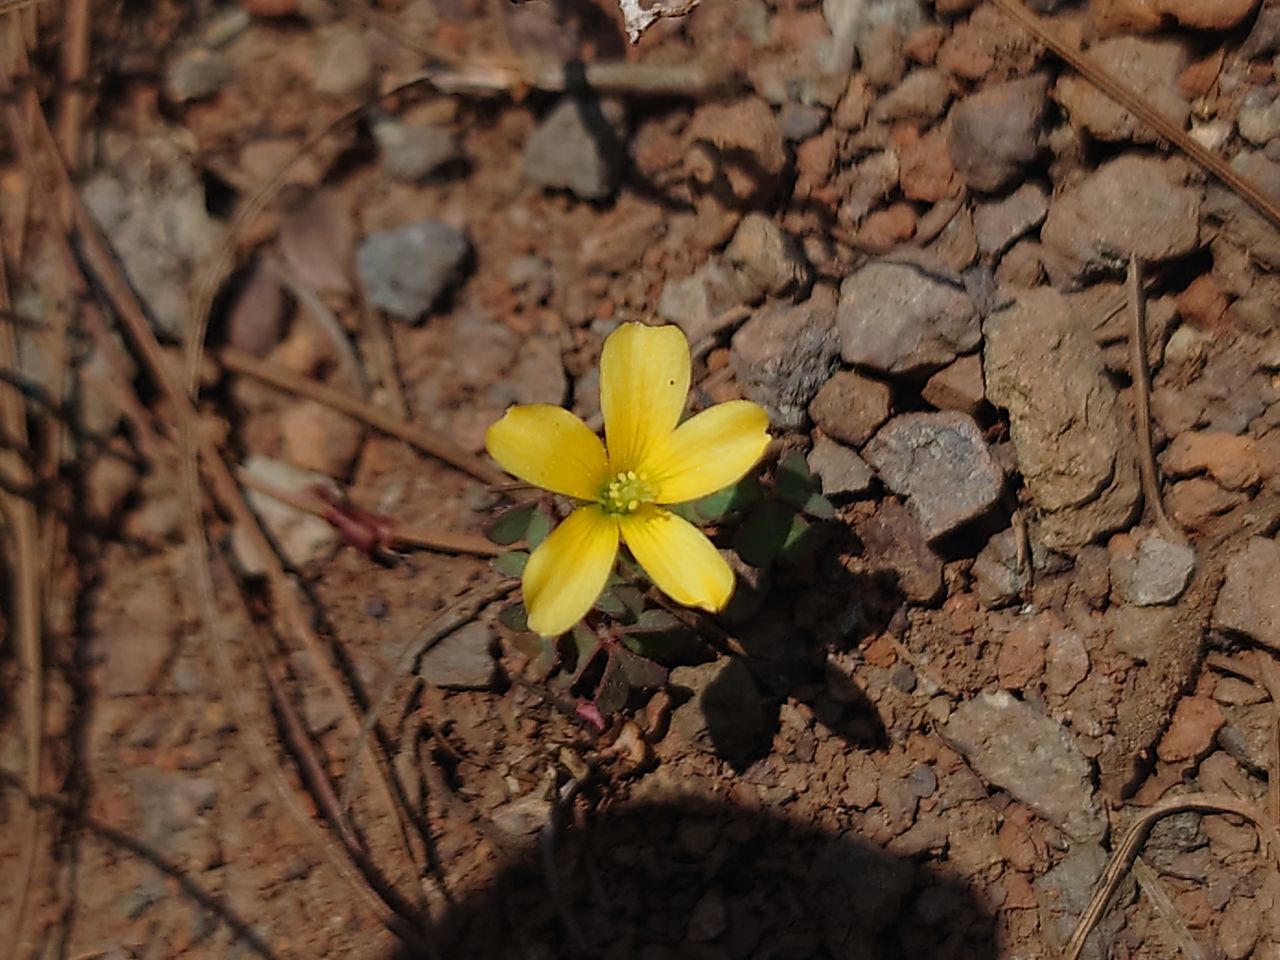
(652, 459)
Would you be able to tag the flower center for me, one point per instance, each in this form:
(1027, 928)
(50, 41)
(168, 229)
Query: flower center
(625, 492)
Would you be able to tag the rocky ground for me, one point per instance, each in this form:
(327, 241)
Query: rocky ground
(930, 716)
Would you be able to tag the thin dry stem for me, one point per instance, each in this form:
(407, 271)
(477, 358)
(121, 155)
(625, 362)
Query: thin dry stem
(26, 613)
(1142, 402)
(75, 64)
(1136, 835)
(444, 541)
(136, 327)
(426, 440)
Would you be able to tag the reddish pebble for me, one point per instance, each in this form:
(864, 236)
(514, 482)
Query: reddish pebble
(1203, 303)
(1192, 731)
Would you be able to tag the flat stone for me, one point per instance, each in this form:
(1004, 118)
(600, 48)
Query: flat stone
(1148, 570)
(840, 469)
(1032, 757)
(1140, 632)
(1249, 602)
(1148, 66)
(302, 537)
(995, 132)
(195, 74)
(783, 354)
(923, 94)
(412, 152)
(697, 303)
(905, 315)
(1074, 443)
(1192, 730)
(999, 223)
(958, 386)
(725, 714)
(580, 146)
(1243, 226)
(405, 271)
(769, 258)
(851, 407)
(344, 65)
(463, 660)
(895, 542)
(1064, 893)
(997, 579)
(940, 462)
(1133, 206)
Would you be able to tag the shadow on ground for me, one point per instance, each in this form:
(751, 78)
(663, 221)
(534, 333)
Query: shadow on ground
(668, 881)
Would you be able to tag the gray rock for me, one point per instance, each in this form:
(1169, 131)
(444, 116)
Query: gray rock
(768, 258)
(800, 121)
(1001, 222)
(150, 200)
(851, 407)
(1249, 602)
(1133, 206)
(1065, 891)
(1140, 632)
(995, 132)
(195, 74)
(344, 66)
(997, 579)
(579, 147)
(411, 153)
(1148, 66)
(302, 537)
(1241, 224)
(697, 303)
(1032, 757)
(840, 469)
(1151, 572)
(923, 94)
(941, 464)
(1074, 445)
(708, 919)
(463, 660)
(782, 355)
(895, 543)
(404, 271)
(724, 714)
(905, 315)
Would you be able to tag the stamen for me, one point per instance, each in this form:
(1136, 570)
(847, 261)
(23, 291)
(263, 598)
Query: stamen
(626, 492)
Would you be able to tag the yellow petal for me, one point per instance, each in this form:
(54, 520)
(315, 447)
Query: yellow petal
(644, 380)
(566, 573)
(682, 562)
(708, 451)
(550, 448)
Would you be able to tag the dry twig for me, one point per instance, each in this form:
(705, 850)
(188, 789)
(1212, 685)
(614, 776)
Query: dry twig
(1142, 401)
(426, 440)
(1140, 108)
(26, 612)
(1136, 835)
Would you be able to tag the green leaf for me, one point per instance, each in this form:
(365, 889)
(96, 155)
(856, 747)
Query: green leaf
(763, 533)
(685, 511)
(515, 617)
(611, 603)
(801, 540)
(511, 563)
(656, 620)
(539, 526)
(511, 525)
(640, 671)
(584, 647)
(613, 691)
(732, 499)
(632, 600)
